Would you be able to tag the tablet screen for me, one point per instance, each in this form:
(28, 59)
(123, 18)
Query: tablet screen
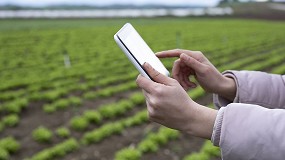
(140, 50)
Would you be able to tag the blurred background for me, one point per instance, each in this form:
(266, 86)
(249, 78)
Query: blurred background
(68, 92)
(140, 8)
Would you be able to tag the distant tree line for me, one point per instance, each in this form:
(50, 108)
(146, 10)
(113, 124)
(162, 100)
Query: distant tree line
(233, 1)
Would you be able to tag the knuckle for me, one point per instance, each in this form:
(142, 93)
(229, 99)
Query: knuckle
(206, 71)
(158, 91)
(153, 102)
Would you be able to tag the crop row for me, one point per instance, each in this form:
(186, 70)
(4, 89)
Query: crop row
(33, 70)
(72, 49)
(150, 143)
(8, 146)
(106, 111)
(97, 135)
(91, 116)
(17, 105)
(255, 60)
(60, 92)
(56, 151)
(207, 152)
(8, 121)
(52, 95)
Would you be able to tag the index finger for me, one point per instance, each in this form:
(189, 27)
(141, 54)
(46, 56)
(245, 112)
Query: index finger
(171, 53)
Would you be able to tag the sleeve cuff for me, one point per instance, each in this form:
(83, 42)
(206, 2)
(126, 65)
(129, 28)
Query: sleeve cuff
(221, 101)
(217, 127)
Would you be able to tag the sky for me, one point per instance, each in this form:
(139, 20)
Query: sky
(108, 2)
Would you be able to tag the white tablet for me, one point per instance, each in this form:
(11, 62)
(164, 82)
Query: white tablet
(137, 50)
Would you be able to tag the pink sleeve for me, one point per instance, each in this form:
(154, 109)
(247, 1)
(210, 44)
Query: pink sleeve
(246, 131)
(246, 128)
(254, 87)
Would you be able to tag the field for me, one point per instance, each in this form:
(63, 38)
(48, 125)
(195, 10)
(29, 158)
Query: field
(68, 92)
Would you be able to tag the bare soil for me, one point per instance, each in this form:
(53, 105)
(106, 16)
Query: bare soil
(34, 116)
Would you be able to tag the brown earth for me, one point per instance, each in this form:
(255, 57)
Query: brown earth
(33, 116)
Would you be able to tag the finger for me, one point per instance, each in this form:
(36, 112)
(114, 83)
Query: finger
(172, 53)
(145, 83)
(186, 77)
(186, 82)
(176, 69)
(181, 76)
(184, 74)
(156, 76)
(192, 63)
(190, 84)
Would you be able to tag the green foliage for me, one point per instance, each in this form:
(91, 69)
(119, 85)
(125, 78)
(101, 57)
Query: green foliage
(137, 119)
(128, 154)
(196, 156)
(42, 134)
(16, 105)
(210, 150)
(4, 154)
(57, 151)
(52, 95)
(9, 95)
(152, 142)
(109, 91)
(48, 108)
(79, 123)
(148, 146)
(90, 95)
(206, 152)
(2, 126)
(196, 93)
(75, 101)
(279, 69)
(24, 78)
(9, 144)
(11, 120)
(92, 116)
(61, 104)
(63, 132)
(109, 129)
(137, 98)
(103, 132)
(115, 109)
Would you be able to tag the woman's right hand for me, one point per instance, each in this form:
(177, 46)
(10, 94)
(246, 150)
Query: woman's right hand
(194, 63)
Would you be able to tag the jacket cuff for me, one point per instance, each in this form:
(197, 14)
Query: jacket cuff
(216, 135)
(221, 101)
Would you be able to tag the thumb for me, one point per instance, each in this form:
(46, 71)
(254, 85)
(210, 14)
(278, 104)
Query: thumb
(156, 76)
(192, 62)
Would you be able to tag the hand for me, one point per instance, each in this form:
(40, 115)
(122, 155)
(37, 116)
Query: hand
(194, 63)
(169, 104)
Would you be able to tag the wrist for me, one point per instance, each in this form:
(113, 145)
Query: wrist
(202, 121)
(227, 88)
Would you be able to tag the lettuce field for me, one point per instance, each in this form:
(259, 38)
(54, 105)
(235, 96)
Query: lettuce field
(67, 92)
